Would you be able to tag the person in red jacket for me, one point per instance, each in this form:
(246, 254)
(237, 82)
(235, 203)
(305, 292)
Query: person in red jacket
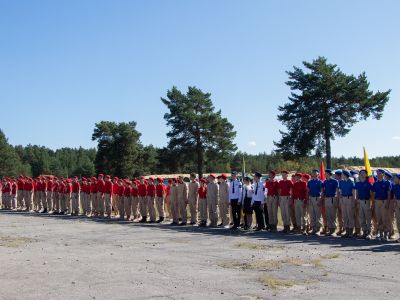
(160, 195)
(202, 203)
(56, 196)
(135, 200)
(43, 195)
(20, 192)
(14, 189)
(285, 187)
(68, 195)
(93, 196)
(100, 185)
(115, 197)
(300, 196)
(108, 191)
(36, 194)
(126, 207)
(28, 190)
(142, 193)
(6, 193)
(75, 196)
(271, 205)
(151, 195)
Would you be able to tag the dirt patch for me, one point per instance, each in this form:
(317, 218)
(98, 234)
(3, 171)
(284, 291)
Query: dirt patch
(255, 246)
(14, 242)
(275, 283)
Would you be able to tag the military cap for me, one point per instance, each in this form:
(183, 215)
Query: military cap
(346, 173)
(389, 175)
(329, 171)
(315, 171)
(353, 172)
(285, 172)
(338, 172)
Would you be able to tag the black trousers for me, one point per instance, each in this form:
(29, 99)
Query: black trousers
(266, 215)
(235, 212)
(258, 210)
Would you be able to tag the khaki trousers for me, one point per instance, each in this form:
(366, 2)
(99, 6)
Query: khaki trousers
(36, 200)
(292, 215)
(93, 200)
(150, 208)
(135, 205)
(315, 213)
(382, 216)
(330, 212)
(85, 197)
(143, 206)
(223, 206)
(397, 214)
(160, 206)
(68, 202)
(63, 202)
(212, 211)
(28, 200)
(56, 202)
(365, 215)
(300, 212)
(272, 207)
(126, 207)
(203, 209)
(107, 204)
(49, 200)
(13, 201)
(193, 209)
(174, 209)
(75, 203)
(20, 199)
(340, 216)
(100, 203)
(182, 205)
(284, 205)
(347, 204)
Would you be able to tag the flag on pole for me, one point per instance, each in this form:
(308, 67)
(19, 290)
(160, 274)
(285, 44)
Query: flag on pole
(368, 167)
(321, 171)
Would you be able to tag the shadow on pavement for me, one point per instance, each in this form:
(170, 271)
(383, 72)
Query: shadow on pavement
(334, 242)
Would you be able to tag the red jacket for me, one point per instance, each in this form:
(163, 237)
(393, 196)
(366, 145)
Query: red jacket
(142, 190)
(299, 190)
(75, 187)
(285, 186)
(108, 187)
(160, 189)
(100, 186)
(202, 192)
(272, 187)
(151, 190)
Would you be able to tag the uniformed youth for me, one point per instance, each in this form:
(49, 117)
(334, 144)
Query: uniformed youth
(235, 192)
(347, 203)
(258, 200)
(363, 190)
(330, 190)
(315, 202)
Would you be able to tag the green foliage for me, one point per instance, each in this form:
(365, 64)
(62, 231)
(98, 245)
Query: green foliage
(324, 103)
(198, 134)
(10, 164)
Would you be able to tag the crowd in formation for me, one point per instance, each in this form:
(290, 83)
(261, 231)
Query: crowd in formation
(345, 203)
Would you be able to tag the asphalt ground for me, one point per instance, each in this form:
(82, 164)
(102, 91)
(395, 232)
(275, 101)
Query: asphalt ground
(62, 257)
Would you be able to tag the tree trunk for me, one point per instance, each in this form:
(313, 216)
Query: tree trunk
(200, 161)
(328, 147)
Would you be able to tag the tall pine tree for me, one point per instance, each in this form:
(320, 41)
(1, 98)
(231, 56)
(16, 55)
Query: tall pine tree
(196, 128)
(324, 103)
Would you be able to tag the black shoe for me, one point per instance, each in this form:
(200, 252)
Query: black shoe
(61, 213)
(183, 224)
(174, 224)
(258, 229)
(151, 222)
(143, 220)
(44, 211)
(192, 223)
(220, 225)
(202, 224)
(234, 227)
(180, 219)
(160, 220)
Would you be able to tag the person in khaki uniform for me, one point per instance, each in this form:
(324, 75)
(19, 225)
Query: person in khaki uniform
(193, 197)
(315, 202)
(354, 176)
(381, 192)
(75, 196)
(299, 198)
(151, 196)
(223, 203)
(160, 195)
(272, 202)
(363, 191)
(68, 196)
(126, 209)
(20, 193)
(202, 194)
(174, 202)
(330, 192)
(142, 193)
(182, 194)
(135, 199)
(391, 220)
(396, 199)
(347, 203)
(212, 199)
(340, 219)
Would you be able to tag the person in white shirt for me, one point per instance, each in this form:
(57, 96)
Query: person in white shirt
(235, 192)
(258, 200)
(245, 201)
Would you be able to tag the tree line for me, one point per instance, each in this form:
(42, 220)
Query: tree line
(324, 103)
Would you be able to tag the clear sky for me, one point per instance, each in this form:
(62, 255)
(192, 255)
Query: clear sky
(65, 65)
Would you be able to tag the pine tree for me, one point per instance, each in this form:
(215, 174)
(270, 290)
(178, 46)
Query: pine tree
(324, 103)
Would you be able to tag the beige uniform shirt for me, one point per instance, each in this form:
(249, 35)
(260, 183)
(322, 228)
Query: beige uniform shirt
(224, 191)
(213, 191)
(193, 190)
(182, 191)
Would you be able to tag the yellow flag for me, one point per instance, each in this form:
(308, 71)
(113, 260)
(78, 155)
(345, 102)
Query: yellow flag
(368, 167)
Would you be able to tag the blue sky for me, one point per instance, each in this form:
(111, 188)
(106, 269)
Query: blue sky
(65, 65)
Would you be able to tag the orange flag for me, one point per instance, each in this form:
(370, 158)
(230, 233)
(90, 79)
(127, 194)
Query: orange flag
(368, 167)
(321, 171)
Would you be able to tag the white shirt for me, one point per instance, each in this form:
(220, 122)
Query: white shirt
(235, 189)
(258, 193)
(247, 191)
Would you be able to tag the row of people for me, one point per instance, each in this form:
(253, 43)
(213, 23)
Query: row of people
(308, 205)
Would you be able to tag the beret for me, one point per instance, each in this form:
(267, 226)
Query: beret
(213, 175)
(285, 172)
(346, 173)
(329, 171)
(234, 173)
(272, 173)
(223, 176)
(100, 175)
